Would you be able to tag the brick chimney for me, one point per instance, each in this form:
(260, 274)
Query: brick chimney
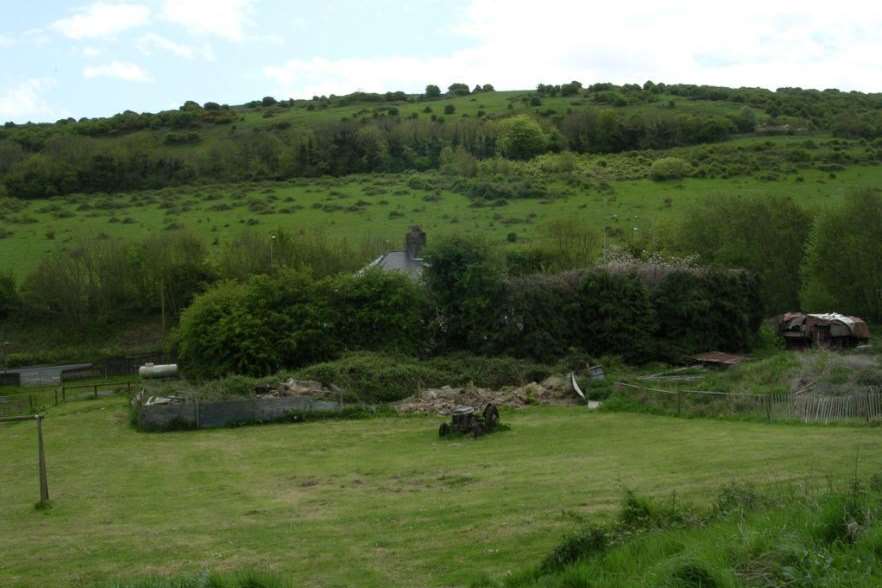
(414, 242)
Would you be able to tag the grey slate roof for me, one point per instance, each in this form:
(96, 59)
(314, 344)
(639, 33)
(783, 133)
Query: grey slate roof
(398, 261)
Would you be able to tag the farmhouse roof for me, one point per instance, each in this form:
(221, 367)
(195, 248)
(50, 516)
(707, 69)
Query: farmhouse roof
(407, 261)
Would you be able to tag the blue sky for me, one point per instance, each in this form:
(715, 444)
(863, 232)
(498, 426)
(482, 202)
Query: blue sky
(84, 58)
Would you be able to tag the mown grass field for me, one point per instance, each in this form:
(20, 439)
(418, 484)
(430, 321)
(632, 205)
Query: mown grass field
(379, 502)
(382, 207)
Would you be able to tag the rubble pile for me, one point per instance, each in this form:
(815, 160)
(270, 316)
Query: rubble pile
(292, 387)
(552, 390)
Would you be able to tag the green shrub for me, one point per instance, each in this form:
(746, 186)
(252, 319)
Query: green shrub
(585, 543)
(615, 316)
(465, 282)
(521, 137)
(257, 328)
(379, 310)
(9, 300)
(669, 168)
(708, 310)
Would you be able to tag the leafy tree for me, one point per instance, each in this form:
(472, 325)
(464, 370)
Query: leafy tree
(379, 310)
(449, 109)
(40, 176)
(706, 310)
(766, 236)
(458, 162)
(458, 89)
(9, 300)
(843, 268)
(268, 101)
(257, 328)
(571, 89)
(488, 88)
(432, 91)
(521, 137)
(464, 278)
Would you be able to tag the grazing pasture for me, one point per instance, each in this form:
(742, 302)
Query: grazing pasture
(381, 207)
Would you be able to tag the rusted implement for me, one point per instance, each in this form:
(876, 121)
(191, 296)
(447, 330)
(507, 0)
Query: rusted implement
(466, 421)
(832, 329)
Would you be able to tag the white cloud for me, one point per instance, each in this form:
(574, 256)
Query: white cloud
(152, 42)
(91, 52)
(6, 41)
(26, 101)
(227, 19)
(119, 70)
(101, 20)
(783, 43)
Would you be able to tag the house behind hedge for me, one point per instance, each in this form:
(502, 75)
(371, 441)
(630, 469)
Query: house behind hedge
(407, 261)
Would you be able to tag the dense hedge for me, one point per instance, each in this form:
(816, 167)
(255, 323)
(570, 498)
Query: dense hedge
(467, 306)
(290, 320)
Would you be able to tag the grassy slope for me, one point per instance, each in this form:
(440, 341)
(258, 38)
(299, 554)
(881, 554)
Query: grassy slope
(371, 503)
(637, 203)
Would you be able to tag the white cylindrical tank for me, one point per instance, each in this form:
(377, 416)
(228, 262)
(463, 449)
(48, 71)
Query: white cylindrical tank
(149, 371)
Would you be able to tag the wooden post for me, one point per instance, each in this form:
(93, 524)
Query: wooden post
(868, 406)
(679, 402)
(31, 402)
(56, 397)
(44, 482)
(769, 408)
(96, 390)
(63, 394)
(162, 301)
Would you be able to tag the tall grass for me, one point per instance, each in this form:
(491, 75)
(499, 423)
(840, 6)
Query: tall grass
(784, 537)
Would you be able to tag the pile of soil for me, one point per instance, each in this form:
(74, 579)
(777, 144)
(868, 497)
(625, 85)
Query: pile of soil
(552, 390)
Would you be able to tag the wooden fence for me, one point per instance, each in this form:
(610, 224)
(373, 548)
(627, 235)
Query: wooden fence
(864, 406)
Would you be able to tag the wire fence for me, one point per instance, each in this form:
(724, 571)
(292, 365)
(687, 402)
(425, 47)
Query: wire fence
(33, 402)
(860, 407)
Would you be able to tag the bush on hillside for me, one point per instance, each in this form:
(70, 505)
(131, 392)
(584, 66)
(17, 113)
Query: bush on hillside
(669, 168)
(521, 137)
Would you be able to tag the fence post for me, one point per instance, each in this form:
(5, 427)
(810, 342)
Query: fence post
(63, 394)
(56, 397)
(769, 407)
(867, 411)
(679, 402)
(44, 482)
(31, 402)
(96, 390)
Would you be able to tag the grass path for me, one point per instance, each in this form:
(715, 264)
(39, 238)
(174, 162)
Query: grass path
(379, 502)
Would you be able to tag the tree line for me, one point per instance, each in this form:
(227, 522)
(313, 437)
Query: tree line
(132, 151)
